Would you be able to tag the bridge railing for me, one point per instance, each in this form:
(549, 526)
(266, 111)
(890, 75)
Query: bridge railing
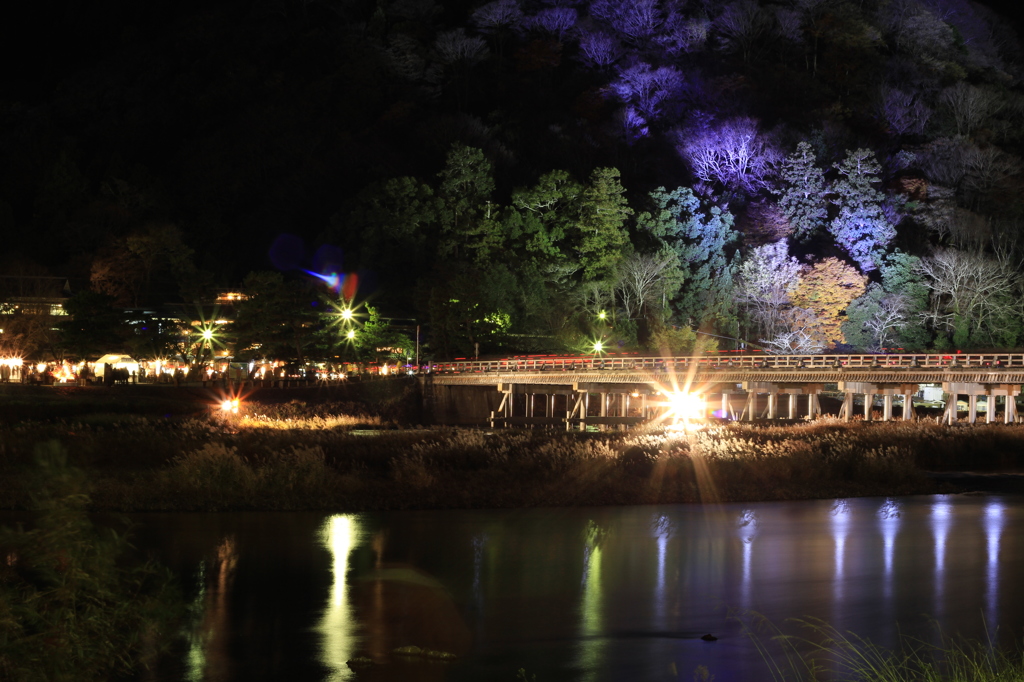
(707, 362)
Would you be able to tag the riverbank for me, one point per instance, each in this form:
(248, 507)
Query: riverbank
(158, 448)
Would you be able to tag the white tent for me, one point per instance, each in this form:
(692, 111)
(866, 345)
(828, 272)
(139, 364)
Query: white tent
(115, 361)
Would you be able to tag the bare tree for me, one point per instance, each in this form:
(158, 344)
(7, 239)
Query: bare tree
(557, 20)
(647, 88)
(599, 49)
(455, 47)
(903, 112)
(767, 278)
(636, 20)
(734, 152)
(498, 15)
(973, 295)
(891, 317)
(641, 280)
(743, 25)
(987, 168)
(970, 106)
(795, 337)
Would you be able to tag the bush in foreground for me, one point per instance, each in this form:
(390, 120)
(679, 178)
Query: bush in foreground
(73, 603)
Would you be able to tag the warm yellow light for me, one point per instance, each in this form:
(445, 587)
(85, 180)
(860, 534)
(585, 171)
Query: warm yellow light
(602, 315)
(346, 314)
(41, 367)
(598, 346)
(230, 406)
(350, 335)
(686, 405)
(207, 334)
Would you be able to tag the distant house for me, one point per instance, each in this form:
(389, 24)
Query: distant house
(33, 295)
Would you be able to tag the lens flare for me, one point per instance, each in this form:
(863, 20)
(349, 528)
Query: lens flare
(344, 285)
(686, 405)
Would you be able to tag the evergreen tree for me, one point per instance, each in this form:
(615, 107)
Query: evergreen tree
(861, 228)
(466, 186)
(601, 233)
(699, 236)
(802, 198)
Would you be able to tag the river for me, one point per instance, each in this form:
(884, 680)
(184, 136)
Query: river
(613, 593)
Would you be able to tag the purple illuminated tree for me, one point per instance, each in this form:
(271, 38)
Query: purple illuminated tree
(556, 20)
(862, 227)
(733, 153)
(635, 20)
(599, 49)
(646, 91)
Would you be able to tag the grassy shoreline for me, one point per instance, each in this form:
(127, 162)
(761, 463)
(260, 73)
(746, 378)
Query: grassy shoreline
(287, 454)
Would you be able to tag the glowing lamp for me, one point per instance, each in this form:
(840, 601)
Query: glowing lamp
(230, 406)
(350, 334)
(602, 315)
(686, 405)
(346, 314)
(598, 346)
(207, 334)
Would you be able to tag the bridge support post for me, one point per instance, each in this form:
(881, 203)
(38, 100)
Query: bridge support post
(748, 407)
(869, 399)
(949, 415)
(887, 407)
(813, 406)
(908, 407)
(773, 399)
(990, 408)
(1010, 412)
(972, 408)
(792, 405)
(846, 411)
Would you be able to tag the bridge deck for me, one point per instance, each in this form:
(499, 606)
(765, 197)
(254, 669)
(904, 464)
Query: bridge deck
(1003, 368)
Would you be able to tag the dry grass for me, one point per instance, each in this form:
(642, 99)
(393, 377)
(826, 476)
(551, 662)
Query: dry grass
(302, 460)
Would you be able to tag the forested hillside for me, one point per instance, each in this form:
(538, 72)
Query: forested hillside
(537, 175)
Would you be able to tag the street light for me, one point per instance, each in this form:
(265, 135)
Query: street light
(350, 334)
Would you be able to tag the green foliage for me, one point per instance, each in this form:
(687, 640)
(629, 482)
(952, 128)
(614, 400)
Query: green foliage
(471, 305)
(377, 341)
(466, 186)
(599, 234)
(391, 225)
(675, 342)
(93, 326)
(700, 236)
(802, 198)
(74, 604)
(278, 317)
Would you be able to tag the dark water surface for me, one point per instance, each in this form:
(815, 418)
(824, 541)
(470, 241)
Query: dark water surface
(619, 593)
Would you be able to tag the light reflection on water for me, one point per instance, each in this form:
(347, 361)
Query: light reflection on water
(582, 594)
(338, 629)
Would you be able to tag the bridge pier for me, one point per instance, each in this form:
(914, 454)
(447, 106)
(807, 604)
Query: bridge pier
(774, 390)
(869, 391)
(972, 390)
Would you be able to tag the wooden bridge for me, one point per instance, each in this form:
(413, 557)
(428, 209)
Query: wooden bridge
(547, 390)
